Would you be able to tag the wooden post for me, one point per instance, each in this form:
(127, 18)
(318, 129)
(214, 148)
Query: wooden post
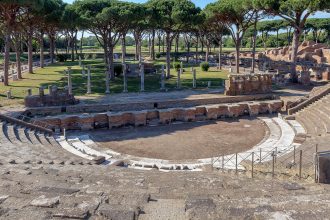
(300, 163)
(252, 164)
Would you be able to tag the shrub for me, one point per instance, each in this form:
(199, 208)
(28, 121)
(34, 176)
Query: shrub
(177, 66)
(118, 69)
(62, 57)
(158, 55)
(205, 66)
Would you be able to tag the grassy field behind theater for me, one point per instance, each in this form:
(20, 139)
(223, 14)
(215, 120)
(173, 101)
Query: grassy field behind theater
(54, 75)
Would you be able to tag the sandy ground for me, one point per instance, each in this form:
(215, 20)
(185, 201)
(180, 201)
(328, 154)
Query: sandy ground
(184, 141)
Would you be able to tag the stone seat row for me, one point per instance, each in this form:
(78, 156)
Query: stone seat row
(316, 117)
(161, 116)
(23, 145)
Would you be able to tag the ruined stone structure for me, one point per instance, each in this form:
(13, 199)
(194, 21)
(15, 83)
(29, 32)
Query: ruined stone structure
(54, 98)
(246, 84)
(312, 57)
(161, 116)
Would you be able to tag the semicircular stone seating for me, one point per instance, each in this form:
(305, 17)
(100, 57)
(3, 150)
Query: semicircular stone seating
(281, 139)
(22, 145)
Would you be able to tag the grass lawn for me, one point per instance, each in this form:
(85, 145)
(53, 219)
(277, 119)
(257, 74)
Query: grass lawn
(54, 75)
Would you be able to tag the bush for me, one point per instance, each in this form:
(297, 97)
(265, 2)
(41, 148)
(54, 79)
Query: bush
(205, 66)
(158, 55)
(118, 69)
(177, 66)
(62, 57)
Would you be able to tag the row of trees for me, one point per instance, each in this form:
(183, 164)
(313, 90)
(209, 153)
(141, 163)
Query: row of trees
(111, 21)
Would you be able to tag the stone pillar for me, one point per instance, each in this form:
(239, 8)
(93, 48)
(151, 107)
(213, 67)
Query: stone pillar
(29, 92)
(142, 78)
(107, 82)
(89, 89)
(178, 81)
(41, 91)
(69, 81)
(209, 84)
(162, 83)
(194, 79)
(125, 78)
(79, 60)
(9, 94)
(83, 71)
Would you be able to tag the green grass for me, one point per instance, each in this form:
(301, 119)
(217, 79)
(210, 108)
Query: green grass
(54, 75)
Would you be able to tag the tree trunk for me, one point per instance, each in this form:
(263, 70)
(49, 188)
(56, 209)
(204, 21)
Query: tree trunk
(159, 42)
(164, 43)
(168, 55)
(207, 51)
(140, 50)
(41, 42)
(81, 42)
(18, 58)
(123, 49)
(254, 42)
(6, 59)
(188, 51)
(72, 49)
(136, 49)
(30, 52)
(238, 44)
(196, 54)
(52, 48)
(153, 56)
(277, 43)
(111, 64)
(295, 45)
(220, 53)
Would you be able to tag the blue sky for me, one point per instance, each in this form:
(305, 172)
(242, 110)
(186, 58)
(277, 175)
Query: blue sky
(203, 3)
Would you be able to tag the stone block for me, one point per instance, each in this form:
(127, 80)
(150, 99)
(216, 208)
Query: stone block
(70, 122)
(165, 116)
(178, 114)
(263, 108)
(223, 111)
(152, 114)
(235, 110)
(140, 118)
(101, 121)
(86, 122)
(211, 112)
(190, 114)
(253, 108)
(274, 106)
(120, 119)
(200, 111)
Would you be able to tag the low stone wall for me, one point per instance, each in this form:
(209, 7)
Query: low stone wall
(139, 106)
(162, 116)
(247, 84)
(54, 98)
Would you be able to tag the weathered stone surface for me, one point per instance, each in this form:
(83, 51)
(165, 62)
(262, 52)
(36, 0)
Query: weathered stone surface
(71, 213)
(101, 120)
(116, 212)
(212, 112)
(140, 118)
(42, 201)
(223, 110)
(253, 108)
(165, 116)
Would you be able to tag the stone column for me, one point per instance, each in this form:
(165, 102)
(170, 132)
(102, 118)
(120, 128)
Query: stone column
(89, 80)
(142, 78)
(162, 83)
(41, 91)
(29, 92)
(125, 78)
(194, 79)
(9, 94)
(69, 81)
(178, 81)
(209, 84)
(79, 60)
(83, 71)
(107, 82)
